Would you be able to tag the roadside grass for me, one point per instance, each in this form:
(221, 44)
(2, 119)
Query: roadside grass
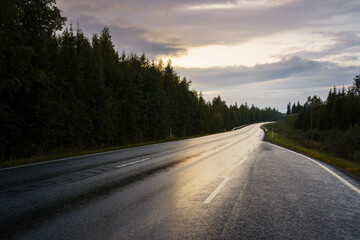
(67, 153)
(349, 167)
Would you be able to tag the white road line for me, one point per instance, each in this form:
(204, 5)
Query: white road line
(217, 190)
(64, 159)
(261, 137)
(251, 149)
(327, 169)
(242, 161)
(132, 163)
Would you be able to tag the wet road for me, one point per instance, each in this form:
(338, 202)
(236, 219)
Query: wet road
(225, 186)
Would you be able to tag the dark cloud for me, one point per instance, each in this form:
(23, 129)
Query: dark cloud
(131, 39)
(291, 79)
(228, 26)
(164, 19)
(291, 69)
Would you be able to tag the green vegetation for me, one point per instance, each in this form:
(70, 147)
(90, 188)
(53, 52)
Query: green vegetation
(332, 126)
(296, 140)
(67, 93)
(326, 130)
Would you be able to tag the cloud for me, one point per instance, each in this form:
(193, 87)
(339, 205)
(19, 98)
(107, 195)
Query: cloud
(132, 39)
(291, 79)
(326, 54)
(165, 20)
(348, 58)
(293, 67)
(238, 25)
(343, 42)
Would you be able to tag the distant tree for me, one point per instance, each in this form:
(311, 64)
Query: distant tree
(356, 85)
(288, 112)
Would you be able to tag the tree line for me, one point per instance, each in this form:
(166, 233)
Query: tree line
(65, 91)
(333, 124)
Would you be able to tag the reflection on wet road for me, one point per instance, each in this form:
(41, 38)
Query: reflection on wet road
(224, 186)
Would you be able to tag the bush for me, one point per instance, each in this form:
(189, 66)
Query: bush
(343, 144)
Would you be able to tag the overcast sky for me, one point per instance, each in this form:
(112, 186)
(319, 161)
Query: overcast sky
(265, 52)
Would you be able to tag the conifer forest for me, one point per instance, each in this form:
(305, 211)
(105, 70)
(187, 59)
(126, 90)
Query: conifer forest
(62, 90)
(331, 125)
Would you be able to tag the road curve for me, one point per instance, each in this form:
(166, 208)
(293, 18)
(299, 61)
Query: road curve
(224, 186)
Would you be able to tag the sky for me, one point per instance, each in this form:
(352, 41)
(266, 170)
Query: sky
(263, 52)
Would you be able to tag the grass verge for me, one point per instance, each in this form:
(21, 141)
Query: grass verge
(349, 167)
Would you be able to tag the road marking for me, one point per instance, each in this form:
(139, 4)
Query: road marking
(132, 163)
(251, 149)
(242, 161)
(261, 137)
(66, 159)
(327, 169)
(217, 190)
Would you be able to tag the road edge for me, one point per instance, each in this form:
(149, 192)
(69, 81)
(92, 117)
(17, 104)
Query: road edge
(319, 163)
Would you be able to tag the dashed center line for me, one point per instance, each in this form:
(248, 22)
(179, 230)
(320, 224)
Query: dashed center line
(132, 163)
(216, 191)
(241, 162)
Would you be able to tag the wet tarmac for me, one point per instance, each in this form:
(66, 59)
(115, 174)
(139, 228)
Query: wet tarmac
(224, 186)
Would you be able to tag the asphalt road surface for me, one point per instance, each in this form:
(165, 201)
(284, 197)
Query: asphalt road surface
(224, 186)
